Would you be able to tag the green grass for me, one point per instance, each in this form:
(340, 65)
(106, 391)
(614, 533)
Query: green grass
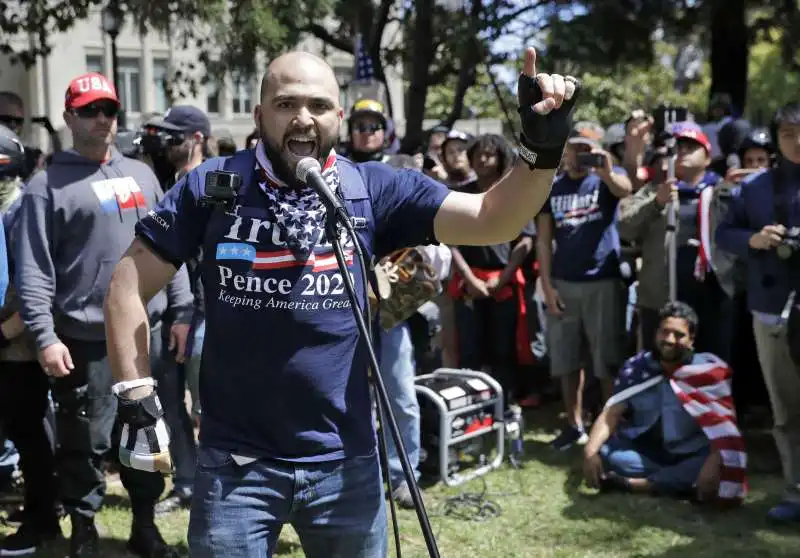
(547, 513)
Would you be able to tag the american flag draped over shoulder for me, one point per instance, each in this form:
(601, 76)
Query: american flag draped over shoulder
(704, 389)
(298, 213)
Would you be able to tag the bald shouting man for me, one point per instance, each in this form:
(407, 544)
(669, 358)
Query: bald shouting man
(287, 435)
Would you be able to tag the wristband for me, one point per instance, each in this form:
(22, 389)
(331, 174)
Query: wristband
(545, 159)
(140, 412)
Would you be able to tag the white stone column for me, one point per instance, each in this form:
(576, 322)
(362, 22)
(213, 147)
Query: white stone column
(147, 84)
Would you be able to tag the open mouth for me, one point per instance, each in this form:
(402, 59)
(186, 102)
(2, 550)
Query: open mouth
(302, 147)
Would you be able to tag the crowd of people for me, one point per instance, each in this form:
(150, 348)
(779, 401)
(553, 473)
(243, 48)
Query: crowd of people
(579, 300)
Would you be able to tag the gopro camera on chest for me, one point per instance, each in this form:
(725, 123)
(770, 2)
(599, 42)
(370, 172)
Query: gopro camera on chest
(221, 189)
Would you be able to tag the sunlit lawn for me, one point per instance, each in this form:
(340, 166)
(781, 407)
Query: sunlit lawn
(545, 512)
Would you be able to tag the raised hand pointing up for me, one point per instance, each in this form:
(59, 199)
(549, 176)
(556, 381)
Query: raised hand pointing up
(546, 105)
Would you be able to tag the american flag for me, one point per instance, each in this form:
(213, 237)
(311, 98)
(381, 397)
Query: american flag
(321, 259)
(299, 214)
(704, 389)
(364, 71)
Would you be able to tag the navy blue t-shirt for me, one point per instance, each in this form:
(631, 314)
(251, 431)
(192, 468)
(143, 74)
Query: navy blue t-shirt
(284, 373)
(584, 213)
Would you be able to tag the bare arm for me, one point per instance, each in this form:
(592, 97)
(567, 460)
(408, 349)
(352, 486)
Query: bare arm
(544, 248)
(497, 215)
(516, 258)
(139, 275)
(603, 428)
(618, 183)
(460, 263)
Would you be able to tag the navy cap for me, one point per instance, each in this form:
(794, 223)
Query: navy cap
(184, 118)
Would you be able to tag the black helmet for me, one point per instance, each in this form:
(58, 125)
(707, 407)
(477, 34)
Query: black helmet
(12, 154)
(759, 137)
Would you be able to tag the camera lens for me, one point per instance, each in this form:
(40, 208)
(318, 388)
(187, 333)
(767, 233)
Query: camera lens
(784, 251)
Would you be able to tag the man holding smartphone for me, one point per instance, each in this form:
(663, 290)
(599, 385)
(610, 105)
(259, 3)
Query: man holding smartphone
(581, 278)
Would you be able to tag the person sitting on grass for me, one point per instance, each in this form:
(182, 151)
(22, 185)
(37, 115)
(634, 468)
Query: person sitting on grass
(669, 426)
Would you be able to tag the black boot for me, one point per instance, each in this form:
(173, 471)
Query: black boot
(85, 539)
(146, 540)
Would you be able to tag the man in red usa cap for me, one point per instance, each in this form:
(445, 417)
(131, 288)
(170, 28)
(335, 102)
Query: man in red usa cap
(75, 219)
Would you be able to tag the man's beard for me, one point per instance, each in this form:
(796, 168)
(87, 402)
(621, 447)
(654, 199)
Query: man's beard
(673, 355)
(281, 168)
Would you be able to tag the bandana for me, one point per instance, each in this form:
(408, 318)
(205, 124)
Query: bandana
(298, 212)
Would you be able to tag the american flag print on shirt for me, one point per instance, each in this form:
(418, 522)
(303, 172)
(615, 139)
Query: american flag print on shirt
(704, 390)
(117, 194)
(321, 259)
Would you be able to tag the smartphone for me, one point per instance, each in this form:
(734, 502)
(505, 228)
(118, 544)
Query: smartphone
(591, 160)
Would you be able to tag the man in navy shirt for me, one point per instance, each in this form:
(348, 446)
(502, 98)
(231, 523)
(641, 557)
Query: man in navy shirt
(287, 435)
(582, 283)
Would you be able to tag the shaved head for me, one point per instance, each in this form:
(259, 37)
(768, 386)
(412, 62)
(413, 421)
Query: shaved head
(294, 66)
(299, 114)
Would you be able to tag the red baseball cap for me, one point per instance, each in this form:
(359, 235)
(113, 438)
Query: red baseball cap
(89, 88)
(692, 132)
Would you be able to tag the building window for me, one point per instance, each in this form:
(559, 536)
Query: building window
(160, 81)
(94, 63)
(212, 97)
(129, 85)
(242, 93)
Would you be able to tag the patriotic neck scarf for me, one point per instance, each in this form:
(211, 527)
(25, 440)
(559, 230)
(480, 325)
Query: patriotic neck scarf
(704, 390)
(298, 212)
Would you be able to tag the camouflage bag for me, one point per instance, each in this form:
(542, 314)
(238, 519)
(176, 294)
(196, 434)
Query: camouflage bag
(406, 281)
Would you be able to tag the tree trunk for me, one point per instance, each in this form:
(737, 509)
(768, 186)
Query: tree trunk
(729, 51)
(422, 56)
(375, 34)
(470, 59)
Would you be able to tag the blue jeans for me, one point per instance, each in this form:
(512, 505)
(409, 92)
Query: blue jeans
(398, 370)
(337, 508)
(669, 473)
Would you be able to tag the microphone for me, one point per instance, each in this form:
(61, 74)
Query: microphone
(733, 162)
(309, 172)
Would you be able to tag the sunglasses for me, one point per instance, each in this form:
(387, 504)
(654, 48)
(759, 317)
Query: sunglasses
(12, 121)
(367, 128)
(109, 110)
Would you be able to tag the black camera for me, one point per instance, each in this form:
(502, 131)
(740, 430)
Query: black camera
(221, 189)
(789, 245)
(155, 141)
(590, 160)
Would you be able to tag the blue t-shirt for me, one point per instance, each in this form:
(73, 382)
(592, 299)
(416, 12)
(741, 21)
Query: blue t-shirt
(283, 372)
(584, 213)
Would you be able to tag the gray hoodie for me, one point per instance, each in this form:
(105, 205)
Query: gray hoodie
(76, 219)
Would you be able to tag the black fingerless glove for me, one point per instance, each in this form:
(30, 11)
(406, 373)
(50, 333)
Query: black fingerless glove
(543, 135)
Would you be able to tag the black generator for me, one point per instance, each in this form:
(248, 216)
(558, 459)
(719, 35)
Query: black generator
(462, 430)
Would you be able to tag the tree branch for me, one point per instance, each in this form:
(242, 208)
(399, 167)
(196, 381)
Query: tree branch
(326, 36)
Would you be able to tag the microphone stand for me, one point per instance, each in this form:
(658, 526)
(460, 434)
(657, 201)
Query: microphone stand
(335, 220)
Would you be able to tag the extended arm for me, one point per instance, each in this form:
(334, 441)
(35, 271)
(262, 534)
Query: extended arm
(139, 275)
(546, 106)
(497, 215)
